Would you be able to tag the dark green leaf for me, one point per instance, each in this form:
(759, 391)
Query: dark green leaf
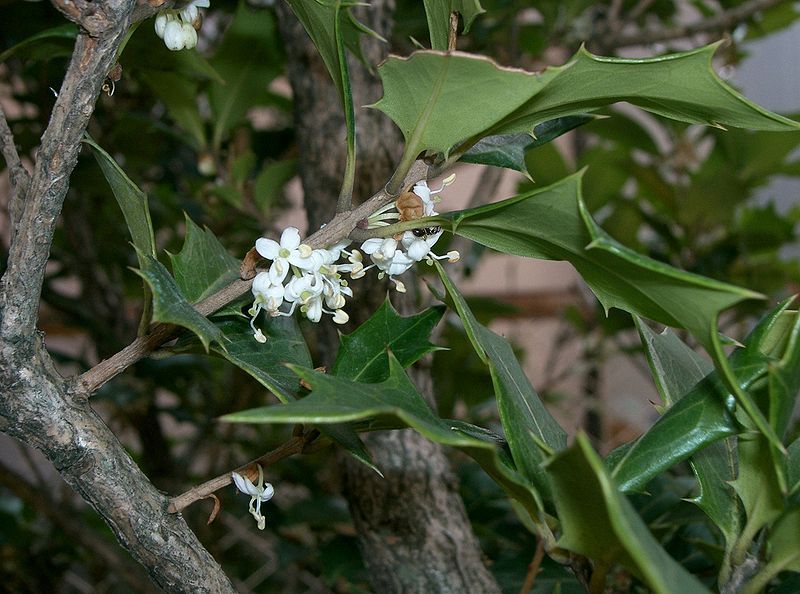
(438, 14)
(553, 223)
(171, 307)
(132, 201)
(440, 99)
(363, 354)
(527, 424)
(598, 521)
(338, 400)
(50, 43)
(267, 361)
(680, 86)
(759, 487)
(203, 266)
(509, 150)
(676, 369)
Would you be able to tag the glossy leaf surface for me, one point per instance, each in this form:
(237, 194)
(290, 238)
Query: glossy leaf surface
(509, 150)
(171, 307)
(553, 223)
(337, 400)
(676, 370)
(680, 86)
(598, 521)
(524, 417)
(132, 201)
(363, 354)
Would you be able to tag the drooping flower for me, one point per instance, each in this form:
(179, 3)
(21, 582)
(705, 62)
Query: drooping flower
(178, 27)
(259, 493)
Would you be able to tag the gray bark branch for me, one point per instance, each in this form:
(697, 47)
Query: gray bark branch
(39, 407)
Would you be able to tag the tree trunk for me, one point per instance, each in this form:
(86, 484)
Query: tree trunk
(413, 529)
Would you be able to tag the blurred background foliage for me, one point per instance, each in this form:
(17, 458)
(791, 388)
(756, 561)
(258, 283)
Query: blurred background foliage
(210, 134)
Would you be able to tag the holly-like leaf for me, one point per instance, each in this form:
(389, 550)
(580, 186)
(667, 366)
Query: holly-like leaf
(338, 400)
(784, 540)
(553, 223)
(439, 99)
(758, 485)
(681, 86)
(598, 521)
(675, 367)
(203, 266)
(509, 150)
(363, 354)
(438, 15)
(267, 362)
(132, 201)
(527, 424)
(171, 307)
(784, 376)
(676, 370)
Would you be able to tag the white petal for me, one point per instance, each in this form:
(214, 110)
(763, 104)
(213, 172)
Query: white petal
(267, 248)
(371, 245)
(161, 24)
(201, 3)
(278, 271)
(269, 491)
(418, 250)
(340, 317)
(189, 13)
(261, 283)
(245, 485)
(173, 36)
(314, 309)
(189, 36)
(290, 238)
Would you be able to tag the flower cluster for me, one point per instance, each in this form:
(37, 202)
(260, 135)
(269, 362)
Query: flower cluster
(312, 280)
(260, 492)
(178, 28)
(314, 284)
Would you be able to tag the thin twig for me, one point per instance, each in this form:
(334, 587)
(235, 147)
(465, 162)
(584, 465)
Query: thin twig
(638, 10)
(452, 34)
(18, 175)
(533, 568)
(721, 21)
(295, 445)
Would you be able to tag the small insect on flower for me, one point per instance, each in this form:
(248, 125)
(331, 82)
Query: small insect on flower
(410, 206)
(426, 231)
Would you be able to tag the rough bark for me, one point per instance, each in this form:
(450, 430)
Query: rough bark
(412, 525)
(37, 405)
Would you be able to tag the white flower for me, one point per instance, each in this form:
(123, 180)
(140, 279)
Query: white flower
(258, 493)
(284, 254)
(173, 36)
(178, 28)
